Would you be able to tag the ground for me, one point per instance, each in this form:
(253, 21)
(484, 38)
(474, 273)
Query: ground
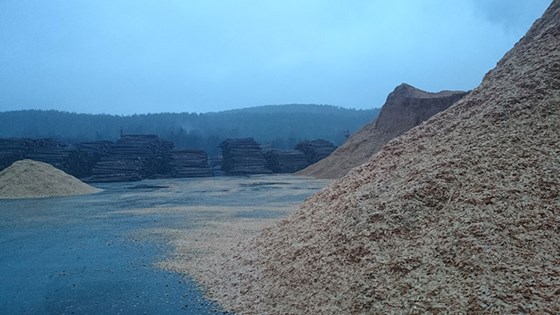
(102, 253)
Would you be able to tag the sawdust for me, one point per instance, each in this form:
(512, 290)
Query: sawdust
(32, 179)
(215, 227)
(459, 215)
(405, 108)
(214, 238)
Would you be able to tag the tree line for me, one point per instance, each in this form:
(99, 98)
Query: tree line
(280, 126)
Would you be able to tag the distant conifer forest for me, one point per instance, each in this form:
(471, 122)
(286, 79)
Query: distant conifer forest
(280, 126)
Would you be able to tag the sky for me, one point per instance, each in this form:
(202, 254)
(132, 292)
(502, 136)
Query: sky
(141, 56)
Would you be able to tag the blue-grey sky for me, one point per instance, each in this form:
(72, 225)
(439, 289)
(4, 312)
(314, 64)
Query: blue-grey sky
(140, 56)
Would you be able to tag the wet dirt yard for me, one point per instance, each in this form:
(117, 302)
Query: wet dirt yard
(98, 254)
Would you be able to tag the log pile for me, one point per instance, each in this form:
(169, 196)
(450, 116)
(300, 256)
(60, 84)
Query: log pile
(100, 148)
(7, 158)
(52, 152)
(133, 157)
(190, 163)
(12, 150)
(285, 161)
(82, 160)
(315, 150)
(243, 157)
(43, 150)
(110, 169)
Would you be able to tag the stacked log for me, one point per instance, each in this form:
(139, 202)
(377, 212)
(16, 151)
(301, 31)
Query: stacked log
(48, 151)
(16, 145)
(190, 163)
(83, 159)
(7, 159)
(285, 161)
(133, 157)
(12, 150)
(243, 157)
(52, 152)
(111, 169)
(99, 148)
(315, 150)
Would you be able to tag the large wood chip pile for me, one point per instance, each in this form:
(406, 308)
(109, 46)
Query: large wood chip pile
(459, 215)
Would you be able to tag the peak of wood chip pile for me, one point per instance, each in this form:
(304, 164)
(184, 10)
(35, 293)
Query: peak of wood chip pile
(406, 107)
(461, 214)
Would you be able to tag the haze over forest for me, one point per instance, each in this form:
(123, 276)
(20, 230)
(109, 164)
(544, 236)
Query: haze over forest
(125, 57)
(280, 126)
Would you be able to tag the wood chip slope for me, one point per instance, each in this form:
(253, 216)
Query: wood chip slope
(459, 215)
(406, 107)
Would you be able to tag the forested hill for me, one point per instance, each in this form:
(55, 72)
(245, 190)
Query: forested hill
(281, 126)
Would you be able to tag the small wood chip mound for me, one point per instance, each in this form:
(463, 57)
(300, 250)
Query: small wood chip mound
(32, 179)
(458, 215)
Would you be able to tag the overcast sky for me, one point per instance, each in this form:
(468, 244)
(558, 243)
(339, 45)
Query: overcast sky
(133, 56)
